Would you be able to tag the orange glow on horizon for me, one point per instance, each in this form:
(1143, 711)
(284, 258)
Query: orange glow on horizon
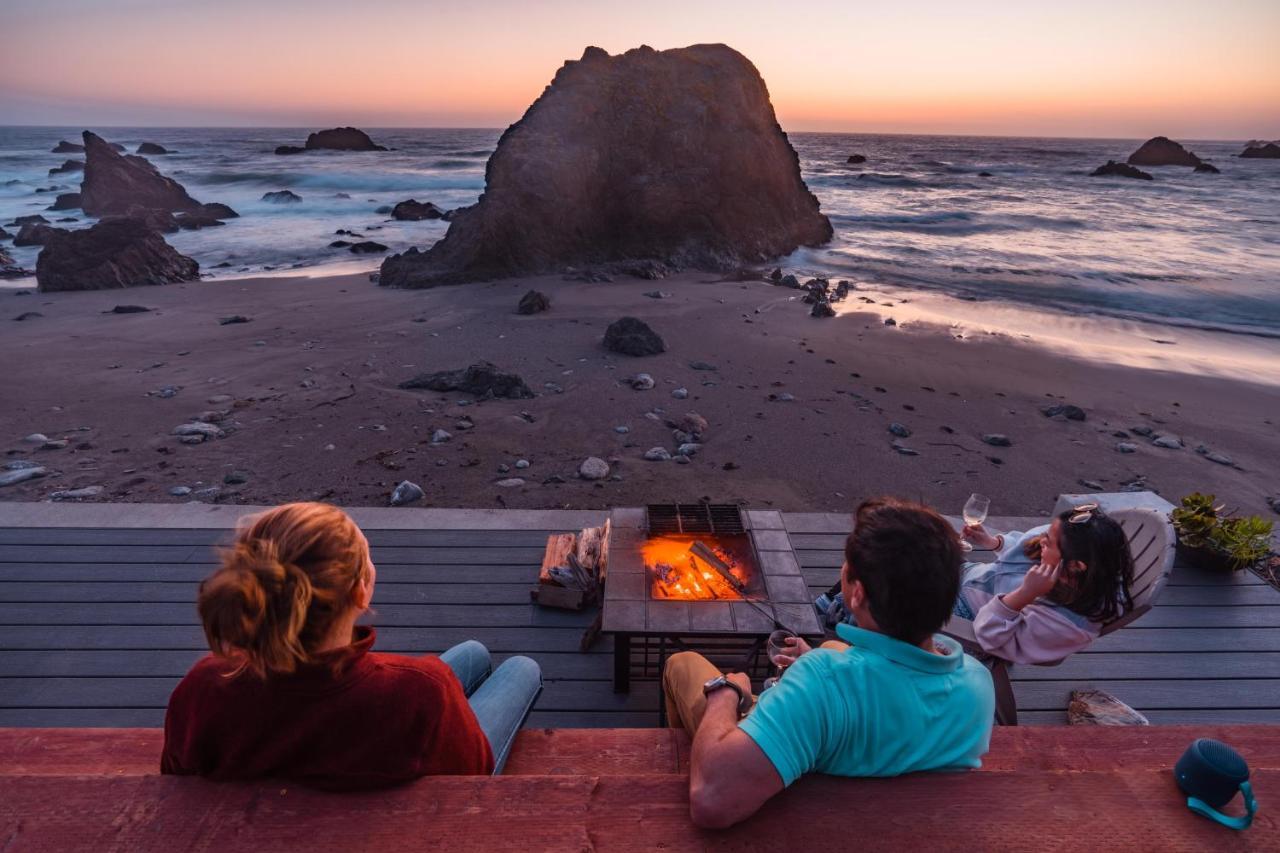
(1089, 70)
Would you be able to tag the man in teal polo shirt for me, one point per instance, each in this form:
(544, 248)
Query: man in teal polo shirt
(897, 698)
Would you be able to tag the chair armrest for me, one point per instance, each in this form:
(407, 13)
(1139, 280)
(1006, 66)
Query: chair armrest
(961, 630)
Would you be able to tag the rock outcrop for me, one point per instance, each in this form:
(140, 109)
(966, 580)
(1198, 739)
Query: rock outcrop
(1121, 170)
(1207, 168)
(631, 336)
(65, 147)
(413, 211)
(66, 201)
(68, 166)
(533, 302)
(35, 234)
(673, 156)
(114, 182)
(1162, 151)
(152, 148)
(481, 379)
(113, 253)
(342, 139)
(1269, 151)
(856, 159)
(290, 149)
(281, 197)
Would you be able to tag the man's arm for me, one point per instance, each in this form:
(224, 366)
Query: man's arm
(730, 777)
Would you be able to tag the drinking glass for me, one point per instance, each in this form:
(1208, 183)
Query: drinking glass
(975, 512)
(777, 649)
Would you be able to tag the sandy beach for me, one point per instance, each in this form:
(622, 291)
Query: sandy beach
(799, 409)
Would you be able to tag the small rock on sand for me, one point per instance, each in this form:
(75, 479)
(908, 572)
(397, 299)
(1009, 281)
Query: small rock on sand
(533, 302)
(232, 320)
(904, 450)
(510, 482)
(522, 464)
(77, 494)
(1167, 441)
(689, 448)
(630, 336)
(128, 309)
(995, 439)
(235, 478)
(36, 438)
(680, 393)
(641, 382)
(1126, 447)
(406, 493)
(9, 478)
(440, 436)
(900, 430)
(702, 365)
(593, 468)
(657, 454)
(198, 429)
(1060, 410)
(180, 491)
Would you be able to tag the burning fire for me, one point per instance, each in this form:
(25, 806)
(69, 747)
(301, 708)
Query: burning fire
(682, 567)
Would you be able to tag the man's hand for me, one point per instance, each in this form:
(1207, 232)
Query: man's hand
(729, 775)
(1039, 580)
(978, 536)
(796, 646)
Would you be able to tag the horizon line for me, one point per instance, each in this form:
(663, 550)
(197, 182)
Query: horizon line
(499, 129)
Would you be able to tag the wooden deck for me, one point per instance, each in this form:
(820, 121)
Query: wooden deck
(97, 623)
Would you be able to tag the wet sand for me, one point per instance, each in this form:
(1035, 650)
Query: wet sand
(314, 411)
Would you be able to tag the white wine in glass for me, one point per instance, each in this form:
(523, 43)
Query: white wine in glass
(975, 512)
(778, 648)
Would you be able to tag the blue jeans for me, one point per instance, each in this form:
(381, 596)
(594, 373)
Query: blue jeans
(500, 698)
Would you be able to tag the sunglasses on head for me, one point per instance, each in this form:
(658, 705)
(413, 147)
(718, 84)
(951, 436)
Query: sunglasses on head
(1082, 514)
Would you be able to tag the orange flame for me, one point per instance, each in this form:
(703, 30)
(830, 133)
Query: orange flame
(675, 572)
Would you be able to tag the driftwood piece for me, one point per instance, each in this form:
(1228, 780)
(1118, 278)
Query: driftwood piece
(1099, 708)
(710, 557)
(559, 547)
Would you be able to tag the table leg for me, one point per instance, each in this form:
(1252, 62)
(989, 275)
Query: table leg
(621, 663)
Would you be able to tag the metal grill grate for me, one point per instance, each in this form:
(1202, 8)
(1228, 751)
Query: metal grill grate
(714, 519)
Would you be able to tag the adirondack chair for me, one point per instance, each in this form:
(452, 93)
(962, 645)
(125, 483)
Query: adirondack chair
(1151, 541)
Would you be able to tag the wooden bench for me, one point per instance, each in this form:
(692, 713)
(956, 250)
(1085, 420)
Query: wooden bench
(627, 789)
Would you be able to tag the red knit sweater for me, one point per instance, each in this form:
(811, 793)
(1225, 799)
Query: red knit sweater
(384, 720)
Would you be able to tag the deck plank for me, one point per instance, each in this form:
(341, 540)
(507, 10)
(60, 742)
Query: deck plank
(98, 623)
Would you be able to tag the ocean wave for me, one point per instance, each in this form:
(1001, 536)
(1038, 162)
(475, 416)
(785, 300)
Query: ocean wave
(888, 179)
(962, 223)
(363, 182)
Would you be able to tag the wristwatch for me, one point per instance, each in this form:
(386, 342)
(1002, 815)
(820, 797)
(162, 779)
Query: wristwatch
(744, 699)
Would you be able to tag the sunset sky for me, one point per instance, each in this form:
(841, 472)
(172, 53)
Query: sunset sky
(1123, 68)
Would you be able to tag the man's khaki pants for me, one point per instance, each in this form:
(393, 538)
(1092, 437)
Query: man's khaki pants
(682, 680)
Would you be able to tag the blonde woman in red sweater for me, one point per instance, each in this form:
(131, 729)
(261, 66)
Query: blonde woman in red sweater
(292, 688)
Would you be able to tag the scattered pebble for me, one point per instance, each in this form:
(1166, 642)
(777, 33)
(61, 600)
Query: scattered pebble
(889, 321)
(1144, 431)
(995, 439)
(180, 491)
(904, 450)
(641, 382)
(77, 494)
(899, 430)
(657, 454)
(232, 320)
(522, 464)
(702, 365)
(622, 429)
(36, 438)
(593, 468)
(406, 493)
(1126, 447)
(1167, 441)
(235, 478)
(510, 483)
(19, 475)
(440, 436)
(199, 430)
(1065, 411)
(680, 393)
(1091, 484)
(784, 397)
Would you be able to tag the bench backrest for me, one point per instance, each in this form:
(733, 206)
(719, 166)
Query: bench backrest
(1152, 543)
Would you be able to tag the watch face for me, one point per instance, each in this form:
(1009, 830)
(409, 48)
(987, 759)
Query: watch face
(718, 681)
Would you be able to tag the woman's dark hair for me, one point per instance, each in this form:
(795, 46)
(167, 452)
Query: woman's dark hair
(1101, 592)
(909, 560)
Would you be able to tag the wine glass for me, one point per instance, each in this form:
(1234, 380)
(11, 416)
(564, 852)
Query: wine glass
(779, 651)
(975, 512)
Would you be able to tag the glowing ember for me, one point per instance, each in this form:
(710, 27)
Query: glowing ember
(676, 571)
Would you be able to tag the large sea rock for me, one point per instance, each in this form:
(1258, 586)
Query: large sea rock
(342, 139)
(113, 182)
(1262, 151)
(117, 252)
(673, 156)
(1162, 151)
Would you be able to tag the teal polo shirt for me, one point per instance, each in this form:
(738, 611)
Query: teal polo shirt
(879, 708)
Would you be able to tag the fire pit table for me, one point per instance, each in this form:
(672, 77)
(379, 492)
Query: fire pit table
(703, 577)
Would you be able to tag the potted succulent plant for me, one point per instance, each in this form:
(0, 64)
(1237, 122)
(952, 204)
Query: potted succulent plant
(1210, 538)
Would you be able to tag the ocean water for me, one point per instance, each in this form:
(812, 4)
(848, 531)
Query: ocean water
(1186, 250)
